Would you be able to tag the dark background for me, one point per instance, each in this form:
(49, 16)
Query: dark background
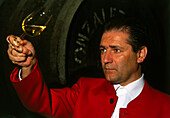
(13, 11)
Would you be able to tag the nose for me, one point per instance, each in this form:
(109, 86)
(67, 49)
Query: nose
(107, 57)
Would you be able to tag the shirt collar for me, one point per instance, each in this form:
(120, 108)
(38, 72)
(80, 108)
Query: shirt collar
(134, 88)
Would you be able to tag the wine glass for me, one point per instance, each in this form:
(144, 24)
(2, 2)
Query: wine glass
(33, 25)
(36, 22)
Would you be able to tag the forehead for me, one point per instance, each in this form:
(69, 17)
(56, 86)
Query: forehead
(114, 37)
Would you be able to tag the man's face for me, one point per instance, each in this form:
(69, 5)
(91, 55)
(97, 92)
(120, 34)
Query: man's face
(119, 62)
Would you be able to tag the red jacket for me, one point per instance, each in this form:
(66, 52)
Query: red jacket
(88, 98)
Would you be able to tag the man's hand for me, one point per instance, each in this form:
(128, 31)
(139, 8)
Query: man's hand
(22, 53)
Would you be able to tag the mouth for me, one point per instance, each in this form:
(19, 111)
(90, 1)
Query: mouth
(109, 70)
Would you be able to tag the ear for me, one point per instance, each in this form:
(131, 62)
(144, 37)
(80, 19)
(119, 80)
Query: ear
(141, 54)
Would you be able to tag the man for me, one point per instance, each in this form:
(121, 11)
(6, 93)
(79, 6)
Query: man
(123, 94)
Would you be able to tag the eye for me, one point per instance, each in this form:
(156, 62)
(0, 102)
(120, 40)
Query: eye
(102, 50)
(116, 50)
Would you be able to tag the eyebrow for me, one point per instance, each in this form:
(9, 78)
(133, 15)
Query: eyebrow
(101, 46)
(112, 46)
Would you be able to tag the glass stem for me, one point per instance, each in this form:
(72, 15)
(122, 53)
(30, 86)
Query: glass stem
(22, 35)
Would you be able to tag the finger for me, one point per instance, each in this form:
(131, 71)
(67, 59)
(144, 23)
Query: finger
(11, 46)
(14, 40)
(17, 59)
(8, 39)
(17, 54)
(14, 62)
(17, 63)
(10, 49)
(20, 49)
(25, 52)
(25, 63)
(12, 57)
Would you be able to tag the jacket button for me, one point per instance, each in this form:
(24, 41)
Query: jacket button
(111, 100)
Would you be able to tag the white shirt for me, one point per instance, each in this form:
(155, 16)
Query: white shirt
(126, 94)
(19, 75)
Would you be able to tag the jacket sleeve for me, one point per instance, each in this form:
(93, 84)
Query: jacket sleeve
(36, 97)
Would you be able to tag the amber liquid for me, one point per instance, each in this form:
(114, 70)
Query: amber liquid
(33, 30)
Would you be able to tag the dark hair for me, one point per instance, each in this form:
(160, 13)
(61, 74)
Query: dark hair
(136, 28)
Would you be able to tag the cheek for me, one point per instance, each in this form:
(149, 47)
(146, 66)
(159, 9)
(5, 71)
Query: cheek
(121, 62)
(101, 59)
(128, 64)
(125, 62)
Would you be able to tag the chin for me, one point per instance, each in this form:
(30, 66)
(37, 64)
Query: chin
(109, 79)
(112, 78)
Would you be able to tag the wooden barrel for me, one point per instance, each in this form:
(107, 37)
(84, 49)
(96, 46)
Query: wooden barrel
(69, 43)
